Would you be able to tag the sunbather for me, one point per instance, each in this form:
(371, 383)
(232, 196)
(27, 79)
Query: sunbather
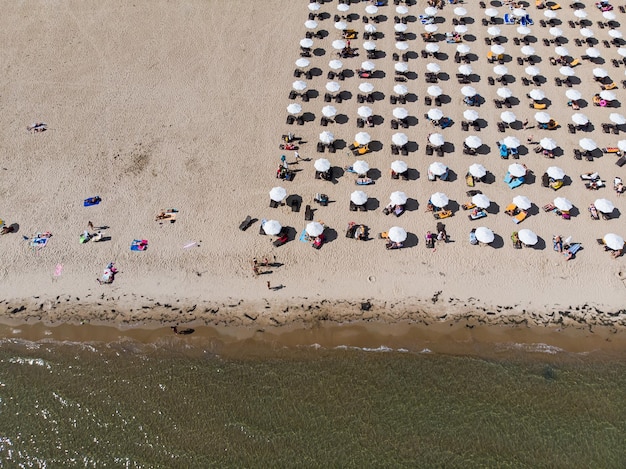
(557, 243)
(571, 251)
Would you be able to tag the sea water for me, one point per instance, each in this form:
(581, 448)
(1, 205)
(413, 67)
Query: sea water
(177, 403)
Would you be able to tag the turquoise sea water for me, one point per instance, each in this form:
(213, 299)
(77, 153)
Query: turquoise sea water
(128, 404)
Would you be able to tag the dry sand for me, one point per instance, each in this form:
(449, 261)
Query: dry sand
(152, 105)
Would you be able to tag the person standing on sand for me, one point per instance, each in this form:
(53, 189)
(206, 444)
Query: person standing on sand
(90, 226)
(269, 287)
(297, 156)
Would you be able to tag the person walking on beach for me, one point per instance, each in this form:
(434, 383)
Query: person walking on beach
(283, 160)
(90, 226)
(297, 156)
(269, 287)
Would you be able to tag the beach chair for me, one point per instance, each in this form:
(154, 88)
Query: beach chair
(507, 177)
(477, 215)
(441, 214)
(556, 185)
(468, 206)
(516, 182)
(520, 217)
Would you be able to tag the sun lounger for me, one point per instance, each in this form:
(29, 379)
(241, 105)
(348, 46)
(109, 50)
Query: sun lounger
(441, 214)
(477, 215)
(363, 181)
(507, 177)
(520, 217)
(556, 184)
(468, 206)
(469, 180)
(516, 182)
(92, 201)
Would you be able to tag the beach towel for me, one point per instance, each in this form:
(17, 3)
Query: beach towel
(303, 236)
(139, 245)
(92, 201)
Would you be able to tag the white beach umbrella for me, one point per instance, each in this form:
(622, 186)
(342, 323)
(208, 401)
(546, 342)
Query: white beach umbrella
(493, 31)
(433, 67)
(362, 138)
(473, 141)
(434, 91)
(573, 95)
(477, 170)
(468, 91)
(532, 71)
(314, 6)
(609, 15)
(517, 170)
(436, 140)
(321, 165)
(527, 237)
(402, 10)
(400, 90)
(579, 119)
(310, 24)
(370, 28)
(401, 45)
(397, 234)
(438, 169)
(555, 173)
(621, 145)
(341, 25)
(567, 71)
(461, 29)
(463, 48)
(333, 86)
(314, 228)
(306, 43)
(522, 202)
(460, 11)
(580, 14)
(608, 95)
(520, 12)
(550, 14)
(364, 111)
(523, 30)
(537, 94)
(562, 51)
(400, 27)
(335, 64)
(617, 118)
(547, 143)
(470, 114)
(339, 44)
(600, 72)
(504, 92)
(528, 50)
(272, 227)
(542, 117)
(622, 51)
(400, 139)
(431, 28)
(358, 198)
(586, 32)
(432, 48)
(593, 52)
(435, 114)
(439, 199)
(398, 198)
(604, 205)
(366, 87)
(327, 137)
(613, 241)
(343, 7)
(430, 11)
(302, 62)
(367, 65)
(299, 85)
(491, 12)
(587, 144)
(371, 9)
(401, 67)
(508, 117)
(277, 194)
(563, 204)
(400, 113)
(497, 49)
(399, 166)
(556, 32)
(294, 108)
(481, 201)
(484, 235)
(615, 34)
(500, 70)
(511, 142)
(361, 167)
(369, 45)
(465, 69)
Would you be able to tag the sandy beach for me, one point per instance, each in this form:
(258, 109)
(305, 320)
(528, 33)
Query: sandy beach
(154, 105)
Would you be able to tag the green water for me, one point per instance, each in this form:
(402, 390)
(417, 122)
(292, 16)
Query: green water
(134, 405)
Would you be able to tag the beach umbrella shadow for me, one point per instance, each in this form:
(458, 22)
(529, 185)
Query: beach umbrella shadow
(330, 234)
(372, 203)
(411, 205)
(413, 174)
(411, 240)
(497, 242)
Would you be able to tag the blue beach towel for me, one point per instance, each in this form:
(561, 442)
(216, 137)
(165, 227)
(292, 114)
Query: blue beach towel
(303, 236)
(92, 201)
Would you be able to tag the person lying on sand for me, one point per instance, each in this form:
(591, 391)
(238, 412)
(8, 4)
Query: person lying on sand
(37, 127)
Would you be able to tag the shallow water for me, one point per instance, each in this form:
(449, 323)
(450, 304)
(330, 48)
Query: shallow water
(174, 404)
